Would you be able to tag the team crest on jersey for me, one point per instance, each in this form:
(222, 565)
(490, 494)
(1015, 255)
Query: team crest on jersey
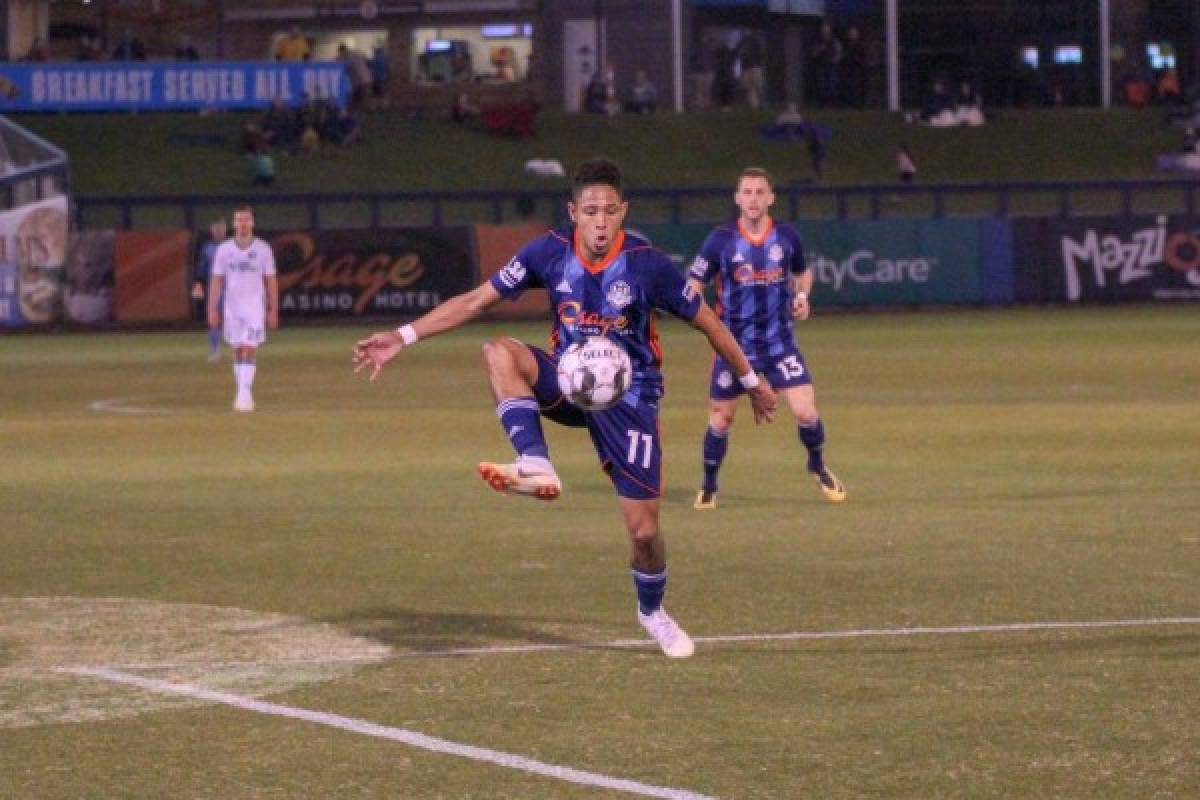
(724, 379)
(699, 267)
(619, 295)
(512, 273)
(775, 253)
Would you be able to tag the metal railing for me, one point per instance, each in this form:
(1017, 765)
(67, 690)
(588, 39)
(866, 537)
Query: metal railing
(704, 204)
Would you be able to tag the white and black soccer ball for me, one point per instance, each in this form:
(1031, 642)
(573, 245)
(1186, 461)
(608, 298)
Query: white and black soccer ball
(594, 374)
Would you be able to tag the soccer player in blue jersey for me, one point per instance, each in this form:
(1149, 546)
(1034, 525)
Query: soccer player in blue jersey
(602, 282)
(762, 284)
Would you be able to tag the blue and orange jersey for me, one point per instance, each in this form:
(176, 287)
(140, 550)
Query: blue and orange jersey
(754, 290)
(614, 297)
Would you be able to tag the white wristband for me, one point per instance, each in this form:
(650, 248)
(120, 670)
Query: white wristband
(408, 335)
(801, 296)
(749, 380)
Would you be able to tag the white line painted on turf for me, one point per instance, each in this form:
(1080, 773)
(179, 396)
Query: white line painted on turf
(1014, 627)
(385, 732)
(123, 405)
(733, 638)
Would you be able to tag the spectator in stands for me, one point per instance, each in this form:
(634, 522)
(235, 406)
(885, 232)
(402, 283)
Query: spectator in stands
(263, 168)
(725, 60)
(381, 75)
(349, 129)
(130, 48)
(752, 54)
(906, 165)
(854, 69)
(938, 111)
(594, 94)
(461, 68)
(463, 111)
(360, 75)
(643, 96)
(825, 61)
(310, 142)
(185, 50)
(703, 72)
(88, 49)
(790, 123)
(1167, 90)
(293, 46)
(37, 52)
(968, 105)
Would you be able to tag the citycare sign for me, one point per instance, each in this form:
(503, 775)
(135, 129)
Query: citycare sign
(879, 262)
(391, 272)
(1102, 259)
(894, 262)
(167, 86)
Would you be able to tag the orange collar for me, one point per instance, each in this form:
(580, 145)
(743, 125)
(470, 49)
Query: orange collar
(756, 241)
(599, 266)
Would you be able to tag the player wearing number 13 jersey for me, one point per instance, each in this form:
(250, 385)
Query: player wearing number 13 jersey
(601, 282)
(762, 284)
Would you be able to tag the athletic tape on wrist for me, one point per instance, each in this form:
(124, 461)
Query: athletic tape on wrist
(749, 380)
(408, 335)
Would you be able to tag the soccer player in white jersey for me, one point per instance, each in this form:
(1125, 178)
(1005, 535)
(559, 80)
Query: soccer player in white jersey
(244, 269)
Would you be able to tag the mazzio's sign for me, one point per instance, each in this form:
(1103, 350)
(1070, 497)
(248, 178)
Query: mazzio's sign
(1146, 259)
(389, 272)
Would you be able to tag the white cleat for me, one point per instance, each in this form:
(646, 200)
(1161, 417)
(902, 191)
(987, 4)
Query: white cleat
(244, 401)
(520, 478)
(674, 642)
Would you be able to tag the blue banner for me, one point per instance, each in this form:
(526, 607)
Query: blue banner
(166, 86)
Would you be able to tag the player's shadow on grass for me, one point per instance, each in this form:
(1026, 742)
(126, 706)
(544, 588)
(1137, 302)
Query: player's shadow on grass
(425, 631)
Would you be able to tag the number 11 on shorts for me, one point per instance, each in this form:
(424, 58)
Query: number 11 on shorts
(646, 442)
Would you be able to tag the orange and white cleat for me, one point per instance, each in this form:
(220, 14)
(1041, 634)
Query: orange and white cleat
(523, 477)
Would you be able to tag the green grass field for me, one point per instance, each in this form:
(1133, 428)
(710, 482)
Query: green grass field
(191, 154)
(324, 553)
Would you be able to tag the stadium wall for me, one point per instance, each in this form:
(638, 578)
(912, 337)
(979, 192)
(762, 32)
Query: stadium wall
(144, 277)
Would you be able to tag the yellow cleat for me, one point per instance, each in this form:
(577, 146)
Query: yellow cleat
(830, 486)
(705, 501)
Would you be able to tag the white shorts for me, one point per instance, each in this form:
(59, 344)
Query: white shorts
(245, 331)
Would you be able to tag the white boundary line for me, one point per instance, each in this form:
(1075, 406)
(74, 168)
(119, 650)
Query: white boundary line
(733, 638)
(385, 732)
(119, 405)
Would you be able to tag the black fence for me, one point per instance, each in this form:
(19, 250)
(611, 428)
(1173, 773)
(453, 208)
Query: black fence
(879, 201)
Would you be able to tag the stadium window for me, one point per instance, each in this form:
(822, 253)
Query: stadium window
(492, 53)
(1160, 55)
(1068, 54)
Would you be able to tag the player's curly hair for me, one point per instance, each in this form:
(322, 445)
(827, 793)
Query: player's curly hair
(596, 171)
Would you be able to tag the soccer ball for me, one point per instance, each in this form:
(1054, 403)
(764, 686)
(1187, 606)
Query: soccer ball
(595, 373)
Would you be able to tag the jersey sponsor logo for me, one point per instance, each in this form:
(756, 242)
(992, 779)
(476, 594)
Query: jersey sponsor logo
(512, 273)
(699, 267)
(572, 314)
(619, 295)
(748, 275)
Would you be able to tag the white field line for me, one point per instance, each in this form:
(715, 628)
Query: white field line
(734, 638)
(401, 735)
(121, 405)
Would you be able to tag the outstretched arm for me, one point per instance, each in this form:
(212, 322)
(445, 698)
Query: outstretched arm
(762, 398)
(380, 348)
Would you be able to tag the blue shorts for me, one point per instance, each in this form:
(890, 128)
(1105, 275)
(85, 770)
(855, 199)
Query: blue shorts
(783, 371)
(625, 437)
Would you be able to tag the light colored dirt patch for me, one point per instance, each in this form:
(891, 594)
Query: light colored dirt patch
(228, 649)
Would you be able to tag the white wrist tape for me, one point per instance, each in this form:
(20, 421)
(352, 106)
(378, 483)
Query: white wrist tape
(801, 296)
(408, 335)
(749, 380)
